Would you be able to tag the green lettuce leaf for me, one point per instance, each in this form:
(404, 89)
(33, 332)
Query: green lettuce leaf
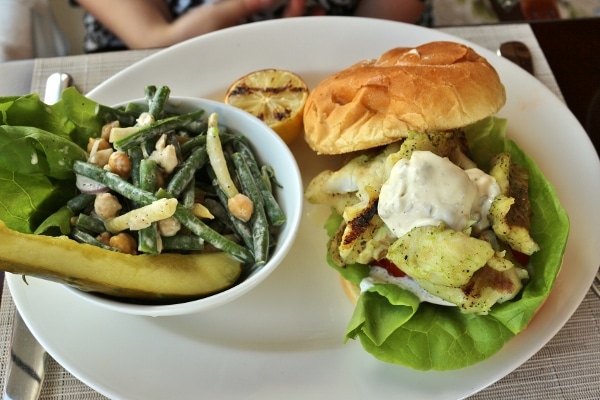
(58, 223)
(28, 150)
(381, 311)
(395, 329)
(38, 145)
(74, 117)
(549, 227)
(441, 338)
(27, 200)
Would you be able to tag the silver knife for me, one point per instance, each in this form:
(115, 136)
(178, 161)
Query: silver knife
(26, 365)
(28, 359)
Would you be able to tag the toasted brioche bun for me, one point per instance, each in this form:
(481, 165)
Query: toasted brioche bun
(438, 86)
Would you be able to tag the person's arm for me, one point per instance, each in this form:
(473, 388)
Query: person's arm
(148, 24)
(398, 10)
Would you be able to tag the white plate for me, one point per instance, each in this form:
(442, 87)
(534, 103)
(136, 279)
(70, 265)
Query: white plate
(284, 340)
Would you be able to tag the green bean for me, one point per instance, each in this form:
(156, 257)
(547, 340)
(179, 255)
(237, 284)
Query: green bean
(268, 174)
(218, 211)
(84, 237)
(192, 143)
(183, 242)
(200, 140)
(274, 212)
(184, 175)
(150, 91)
(199, 228)
(156, 129)
(148, 175)
(148, 238)
(182, 214)
(135, 108)
(109, 114)
(159, 100)
(79, 202)
(188, 196)
(239, 227)
(90, 224)
(136, 156)
(161, 193)
(114, 182)
(260, 225)
(195, 128)
(217, 158)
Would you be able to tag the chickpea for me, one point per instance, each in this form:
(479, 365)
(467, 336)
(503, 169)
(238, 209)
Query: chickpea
(120, 163)
(241, 206)
(104, 238)
(106, 205)
(124, 242)
(95, 144)
(100, 157)
(107, 128)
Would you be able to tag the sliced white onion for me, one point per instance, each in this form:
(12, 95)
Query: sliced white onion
(89, 186)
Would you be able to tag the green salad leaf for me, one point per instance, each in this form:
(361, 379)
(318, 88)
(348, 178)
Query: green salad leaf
(74, 117)
(38, 145)
(394, 327)
(30, 150)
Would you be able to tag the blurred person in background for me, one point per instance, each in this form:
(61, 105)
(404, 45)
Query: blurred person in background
(28, 29)
(134, 24)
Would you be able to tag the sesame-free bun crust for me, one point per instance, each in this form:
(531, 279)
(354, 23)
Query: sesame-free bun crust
(437, 86)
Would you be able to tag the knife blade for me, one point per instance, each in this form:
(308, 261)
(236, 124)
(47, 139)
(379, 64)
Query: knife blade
(28, 358)
(26, 365)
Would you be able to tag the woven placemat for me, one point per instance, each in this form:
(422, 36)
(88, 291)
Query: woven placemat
(566, 368)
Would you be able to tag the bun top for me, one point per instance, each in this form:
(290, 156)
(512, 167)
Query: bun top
(437, 86)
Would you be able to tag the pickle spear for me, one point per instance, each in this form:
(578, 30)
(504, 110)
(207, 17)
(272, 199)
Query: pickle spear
(160, 278)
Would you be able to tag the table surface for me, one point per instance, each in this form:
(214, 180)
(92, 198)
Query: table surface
(567, 367)
(572, 48)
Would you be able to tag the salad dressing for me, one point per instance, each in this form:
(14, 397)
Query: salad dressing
(380, 275)
(427, 190)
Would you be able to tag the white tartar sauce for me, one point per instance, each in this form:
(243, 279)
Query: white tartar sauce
(380, 275)
(427, 190)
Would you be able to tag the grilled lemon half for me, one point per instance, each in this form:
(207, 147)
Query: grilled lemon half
(275, 96)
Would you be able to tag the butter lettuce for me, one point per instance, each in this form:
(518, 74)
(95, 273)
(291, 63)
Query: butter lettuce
(392, 325)
(38, 145)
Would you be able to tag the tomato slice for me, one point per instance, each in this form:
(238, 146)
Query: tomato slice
(521, 258)
(390, 267)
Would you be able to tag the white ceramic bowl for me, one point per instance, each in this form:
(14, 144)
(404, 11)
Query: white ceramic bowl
(270, 150)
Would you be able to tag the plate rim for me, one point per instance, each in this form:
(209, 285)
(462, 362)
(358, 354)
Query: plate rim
(478, 48)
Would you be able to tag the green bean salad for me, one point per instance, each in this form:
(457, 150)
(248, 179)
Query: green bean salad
(174, 183)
